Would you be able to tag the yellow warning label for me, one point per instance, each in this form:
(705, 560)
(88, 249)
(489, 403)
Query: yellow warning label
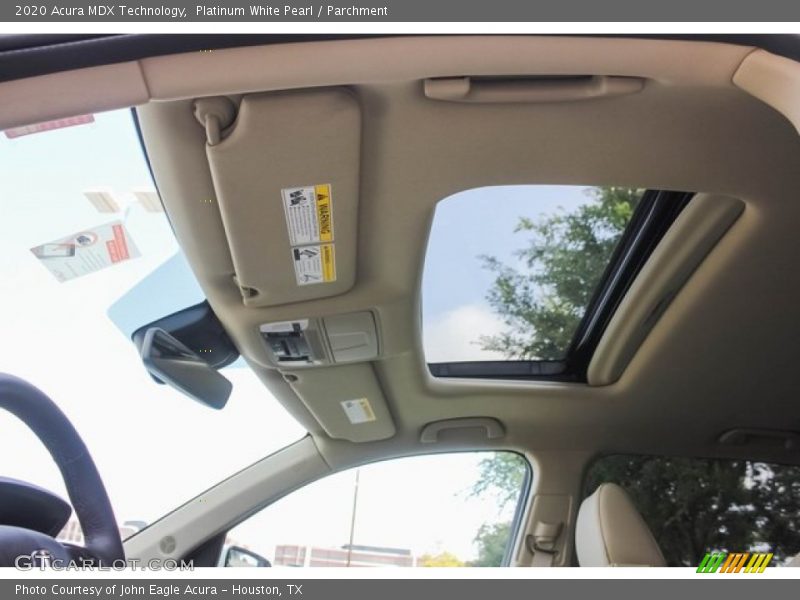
(324, 212)
(314, 264)
(309, 214)
(309, 219)
(328, 263)
(367, 409)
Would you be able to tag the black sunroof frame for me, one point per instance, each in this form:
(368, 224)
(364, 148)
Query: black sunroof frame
(655, 214)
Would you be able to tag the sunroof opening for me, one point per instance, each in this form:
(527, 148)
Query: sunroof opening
(519, 281)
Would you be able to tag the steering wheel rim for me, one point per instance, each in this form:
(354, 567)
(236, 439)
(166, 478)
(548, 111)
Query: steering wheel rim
(85, 488)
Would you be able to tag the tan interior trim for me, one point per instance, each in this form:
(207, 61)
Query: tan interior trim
(712, 137)
(530, 89)
(346, 400)
(710, 134)
(228, 502)
(70, 93)
(774, 80)
(695, 232)
(279, 142)
(353, 62)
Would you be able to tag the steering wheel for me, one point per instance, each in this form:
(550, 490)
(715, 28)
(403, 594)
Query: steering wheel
(103, 545)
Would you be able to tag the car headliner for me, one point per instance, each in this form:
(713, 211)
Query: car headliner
(719, 358)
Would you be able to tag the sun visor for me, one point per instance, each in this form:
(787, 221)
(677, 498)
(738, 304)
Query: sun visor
(285, 168)
(347, 401)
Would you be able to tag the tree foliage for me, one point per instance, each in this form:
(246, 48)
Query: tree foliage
(692, 506)
(565, 256)
(502, 473)
(492, 541)
(443, 559)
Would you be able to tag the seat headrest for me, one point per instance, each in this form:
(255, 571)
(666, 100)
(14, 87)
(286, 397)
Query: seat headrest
(610, 532)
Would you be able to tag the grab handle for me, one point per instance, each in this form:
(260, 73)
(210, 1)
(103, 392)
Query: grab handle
(529, 90)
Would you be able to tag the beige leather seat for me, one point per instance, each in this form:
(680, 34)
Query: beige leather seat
(610, 532)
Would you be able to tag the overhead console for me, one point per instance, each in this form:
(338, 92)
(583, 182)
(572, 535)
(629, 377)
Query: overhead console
(328, 340)
(285, 169)
(326, 362)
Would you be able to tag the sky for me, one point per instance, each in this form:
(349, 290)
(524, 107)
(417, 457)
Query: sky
(467, 226)
(423, 504)
(59, 337)
(154, 447)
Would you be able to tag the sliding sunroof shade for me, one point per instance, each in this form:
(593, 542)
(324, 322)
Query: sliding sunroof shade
(510, 270)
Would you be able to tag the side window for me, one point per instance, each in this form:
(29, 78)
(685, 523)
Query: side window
(695, 506)
(443, 510)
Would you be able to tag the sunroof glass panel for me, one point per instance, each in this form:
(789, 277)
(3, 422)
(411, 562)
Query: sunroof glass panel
(510, 270)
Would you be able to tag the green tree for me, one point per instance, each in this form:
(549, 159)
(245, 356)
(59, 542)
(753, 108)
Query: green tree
(443, 559)
(565, 254)
(692, 506)
(492, 541)
(502, 474)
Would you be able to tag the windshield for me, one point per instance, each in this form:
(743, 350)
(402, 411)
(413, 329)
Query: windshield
(88, 256)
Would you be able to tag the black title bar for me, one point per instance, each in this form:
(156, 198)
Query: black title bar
(392, 11)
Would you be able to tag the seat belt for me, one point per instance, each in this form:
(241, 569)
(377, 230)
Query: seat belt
(543, 542)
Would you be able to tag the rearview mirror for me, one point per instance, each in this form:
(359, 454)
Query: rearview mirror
(170, 361)
(240, 557)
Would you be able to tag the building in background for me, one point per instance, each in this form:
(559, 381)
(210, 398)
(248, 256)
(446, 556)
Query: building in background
(354, 556)
(286, 555)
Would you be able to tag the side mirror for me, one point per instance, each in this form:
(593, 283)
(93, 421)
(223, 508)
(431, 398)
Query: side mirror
(170, 361)
(237, 556)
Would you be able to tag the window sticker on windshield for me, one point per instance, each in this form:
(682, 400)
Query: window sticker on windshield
(314, 264)
(87, 251)
(309, 214)
(358, 411)
(16, 132)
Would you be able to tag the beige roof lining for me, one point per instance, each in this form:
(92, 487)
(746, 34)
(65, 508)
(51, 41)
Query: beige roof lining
(348, 62)
(690, 103)
(685, 245)
(775, 80)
